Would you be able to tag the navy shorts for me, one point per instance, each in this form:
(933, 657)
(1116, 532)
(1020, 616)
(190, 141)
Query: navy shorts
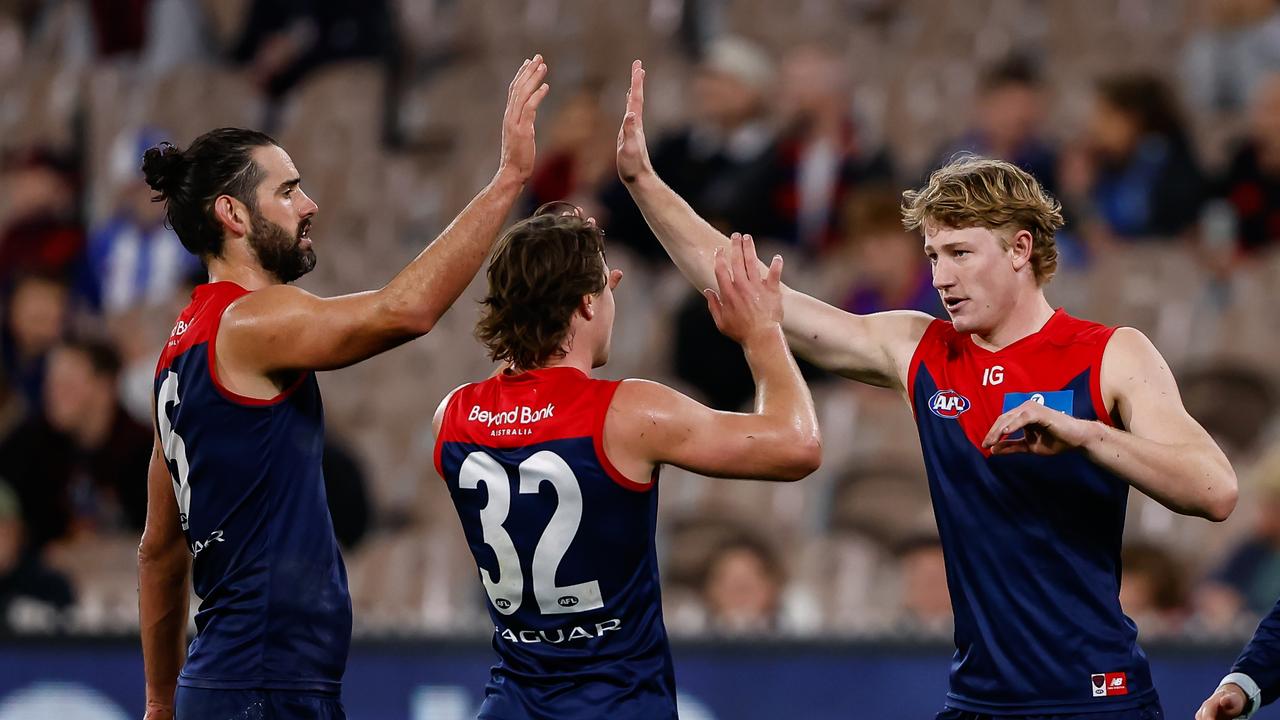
(202, 704)
(1150, 711)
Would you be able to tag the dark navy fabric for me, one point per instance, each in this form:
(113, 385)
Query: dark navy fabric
(275, 612)
(1151, 711)
(205, 704)
(1261, 657)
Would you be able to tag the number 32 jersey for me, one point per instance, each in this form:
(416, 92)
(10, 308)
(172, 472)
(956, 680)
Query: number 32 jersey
(564, 545)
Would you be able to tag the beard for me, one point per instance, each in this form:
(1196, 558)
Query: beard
(280, 252)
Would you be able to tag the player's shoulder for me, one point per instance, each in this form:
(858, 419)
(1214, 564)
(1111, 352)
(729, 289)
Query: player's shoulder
(1071, 330)
(636, 394)
(242, 306)
(1129, 348)
(438, 418)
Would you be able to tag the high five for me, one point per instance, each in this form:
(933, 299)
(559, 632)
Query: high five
(1029, 476)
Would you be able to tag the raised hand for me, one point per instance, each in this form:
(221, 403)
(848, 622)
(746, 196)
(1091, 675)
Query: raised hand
(747, 302)
(523, 97)
(1224, 704)
(633, 153)
(1045, 431)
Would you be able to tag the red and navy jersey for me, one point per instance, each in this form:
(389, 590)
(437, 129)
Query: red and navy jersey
(565, 548)
(1032, 543)
(274, 612)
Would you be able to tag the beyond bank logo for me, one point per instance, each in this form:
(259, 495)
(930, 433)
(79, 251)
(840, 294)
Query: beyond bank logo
(948, 404)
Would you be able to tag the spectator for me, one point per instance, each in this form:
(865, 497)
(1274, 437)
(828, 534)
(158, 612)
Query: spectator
(1248, 583)
(36, 320)
(43, 232)
(1251, 184)
(13, 408)
(820, 159)
(1234, 403)
(282, 42)
(742, 587)
(888, 263)
(1137, 178)
(133, 259)
(572, 168)
(722, 160)
(1008, 124)
(1235, 44)
(926, 604)
(81, 465)
(1153, 588)
(24, 580)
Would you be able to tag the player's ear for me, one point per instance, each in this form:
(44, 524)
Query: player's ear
(1020, 247)
(586, 307)
(231, 214)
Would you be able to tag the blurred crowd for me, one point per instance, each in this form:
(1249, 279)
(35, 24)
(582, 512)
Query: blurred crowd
(1157, 124)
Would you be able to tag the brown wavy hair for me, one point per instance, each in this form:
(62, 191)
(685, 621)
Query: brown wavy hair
(542, 267)
(974, 191)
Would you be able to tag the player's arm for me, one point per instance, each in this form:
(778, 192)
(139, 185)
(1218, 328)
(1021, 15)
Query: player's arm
(283, 328)
(649, 424)
(1254, 680)
(164, 564)
(1162, 451)
(874, 348)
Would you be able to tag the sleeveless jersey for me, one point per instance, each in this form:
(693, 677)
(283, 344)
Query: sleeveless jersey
(565, 549)
(274, 612)
(1032, 544)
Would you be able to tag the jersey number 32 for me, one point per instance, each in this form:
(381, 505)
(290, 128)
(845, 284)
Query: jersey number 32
(506, 593)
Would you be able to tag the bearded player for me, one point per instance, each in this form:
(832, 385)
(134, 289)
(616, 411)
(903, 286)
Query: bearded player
(554, 474)
(1034, 425)
(236, 495)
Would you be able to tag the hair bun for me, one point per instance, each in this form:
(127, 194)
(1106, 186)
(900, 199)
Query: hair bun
(163, 167)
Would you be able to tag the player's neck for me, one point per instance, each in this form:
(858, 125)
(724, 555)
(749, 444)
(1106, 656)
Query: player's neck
(575, 358)
(247, 275)
(1025, 318)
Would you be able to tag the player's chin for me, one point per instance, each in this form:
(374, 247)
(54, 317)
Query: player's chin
(600, 358)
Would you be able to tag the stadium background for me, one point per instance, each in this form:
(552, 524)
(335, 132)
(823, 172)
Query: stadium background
(1157, 122)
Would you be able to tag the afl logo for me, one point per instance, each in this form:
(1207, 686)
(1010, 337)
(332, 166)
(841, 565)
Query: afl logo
(948, 404)
(567, 601)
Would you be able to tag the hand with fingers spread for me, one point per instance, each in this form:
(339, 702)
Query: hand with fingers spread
(1045, 431)
(523, 97)
(1226, 703)
(633, 153)
(747, 302)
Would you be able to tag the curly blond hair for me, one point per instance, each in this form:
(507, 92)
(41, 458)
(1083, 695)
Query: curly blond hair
(974, 191)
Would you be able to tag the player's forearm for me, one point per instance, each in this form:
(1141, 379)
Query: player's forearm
(1191, 479)
(784, 405)
(162, 614)
(688, 239)
(420, 294)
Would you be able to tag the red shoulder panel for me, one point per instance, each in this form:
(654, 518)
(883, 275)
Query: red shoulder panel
(198, 323)
(508, 411)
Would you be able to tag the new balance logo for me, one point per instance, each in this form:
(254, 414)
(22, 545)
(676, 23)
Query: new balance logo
(1109, 684)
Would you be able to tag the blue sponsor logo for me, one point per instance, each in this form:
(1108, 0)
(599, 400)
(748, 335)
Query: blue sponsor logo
(1061, 400)
(948, 404)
